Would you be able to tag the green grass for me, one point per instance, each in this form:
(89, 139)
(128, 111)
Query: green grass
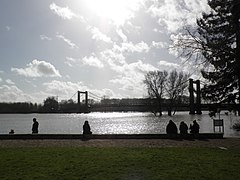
(119, 163)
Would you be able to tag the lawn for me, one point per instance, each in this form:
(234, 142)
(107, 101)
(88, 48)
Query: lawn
(118, 163)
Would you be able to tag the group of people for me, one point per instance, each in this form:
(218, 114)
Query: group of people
(183, 128)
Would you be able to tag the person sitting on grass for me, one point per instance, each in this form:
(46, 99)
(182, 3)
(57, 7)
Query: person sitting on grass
(86, 128)
(171, 128)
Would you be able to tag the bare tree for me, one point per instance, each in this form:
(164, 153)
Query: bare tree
(189, 45)
(162, 84)
(155, 82)
(176, 85)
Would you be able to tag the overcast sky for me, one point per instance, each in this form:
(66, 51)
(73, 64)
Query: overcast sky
(56, 47)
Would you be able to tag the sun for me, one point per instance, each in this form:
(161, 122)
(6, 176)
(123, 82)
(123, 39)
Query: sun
(116, 10)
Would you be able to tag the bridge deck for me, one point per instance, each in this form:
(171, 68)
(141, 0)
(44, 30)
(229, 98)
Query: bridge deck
(112, 136)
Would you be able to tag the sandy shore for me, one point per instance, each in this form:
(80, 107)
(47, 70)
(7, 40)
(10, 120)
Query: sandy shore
(226, 143)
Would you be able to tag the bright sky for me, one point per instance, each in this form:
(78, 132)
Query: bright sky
(56, 47)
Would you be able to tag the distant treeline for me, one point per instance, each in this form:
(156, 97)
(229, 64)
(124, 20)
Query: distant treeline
(19, 107)
(25, 107)
(51, 105)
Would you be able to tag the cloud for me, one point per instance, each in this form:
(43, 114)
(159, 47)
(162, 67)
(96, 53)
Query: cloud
(114, 59)
(160, 44)
(174, 14)
(158, 30)
(130, 47)
(108, 93)
(63, 12)
(9, 81)
(168, 65)
(64, 89)
(0, 79)
(130, 80)
(122, 35)
(70, 61)
(129, 76)
(102, 93)
(129, 27)
(8, 28)
(44, 37)
(11, 93)
(92, 61)
(139, 47)
(38, 68)
(68, 41)
(98, 35)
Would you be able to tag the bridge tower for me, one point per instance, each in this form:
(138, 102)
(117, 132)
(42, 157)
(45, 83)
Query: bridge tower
(85, 107)
(195, 108)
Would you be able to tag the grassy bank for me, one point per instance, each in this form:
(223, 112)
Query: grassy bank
(119, 163)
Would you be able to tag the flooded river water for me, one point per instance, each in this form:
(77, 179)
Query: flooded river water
(111, 123)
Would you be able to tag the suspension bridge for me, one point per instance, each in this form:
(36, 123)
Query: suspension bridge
(85, 99)
(88, 101)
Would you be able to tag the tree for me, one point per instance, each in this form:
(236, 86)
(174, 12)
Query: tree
(67, 106)
(176, 85)
(169, 85)
(155, 81)
(50, 104)
(213, 42)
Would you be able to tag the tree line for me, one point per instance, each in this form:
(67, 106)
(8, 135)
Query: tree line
(50, 105)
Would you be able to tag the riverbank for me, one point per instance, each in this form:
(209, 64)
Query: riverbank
(225, 144)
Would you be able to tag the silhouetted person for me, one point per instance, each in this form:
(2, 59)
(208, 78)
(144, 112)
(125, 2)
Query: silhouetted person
(11, 131)
(86, 128)
(35, 126)
(183, 128)
(171, 128)
(194, 129)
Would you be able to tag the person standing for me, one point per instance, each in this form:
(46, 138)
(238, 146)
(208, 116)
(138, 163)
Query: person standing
(35, 126)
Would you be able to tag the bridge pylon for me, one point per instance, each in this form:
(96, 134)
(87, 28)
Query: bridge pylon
(85, 107)
(194, 108)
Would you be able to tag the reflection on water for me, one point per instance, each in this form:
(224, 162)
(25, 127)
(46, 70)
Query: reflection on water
(109, 123)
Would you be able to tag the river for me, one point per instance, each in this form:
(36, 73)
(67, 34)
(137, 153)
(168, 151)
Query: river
(111, 123)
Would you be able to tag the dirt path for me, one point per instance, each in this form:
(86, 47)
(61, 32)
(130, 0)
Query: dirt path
(227, 143)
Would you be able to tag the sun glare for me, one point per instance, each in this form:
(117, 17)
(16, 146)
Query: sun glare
(116, 10)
